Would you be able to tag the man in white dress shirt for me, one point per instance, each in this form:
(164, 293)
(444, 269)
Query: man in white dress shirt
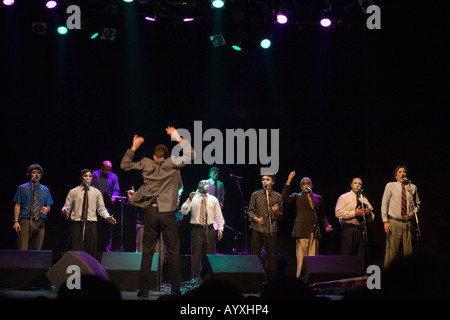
(205, 211)
(398, 209)
(82, 205)
(353, 214)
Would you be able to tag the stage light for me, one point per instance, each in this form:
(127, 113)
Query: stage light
(62, 30)
(218, 40)
(265, 43)
(150, 18)
(108, 34)
(8, 2)
(325, 22)
(218, 4)
(188, 19)
(94, 35)
(281, 18)
(51, 4)
(127, 0)
(38, 27)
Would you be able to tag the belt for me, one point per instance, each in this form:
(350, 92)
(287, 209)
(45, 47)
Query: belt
(397, 219)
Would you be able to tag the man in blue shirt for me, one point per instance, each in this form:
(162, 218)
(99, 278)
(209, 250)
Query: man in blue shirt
(108, 183)
(32, 204)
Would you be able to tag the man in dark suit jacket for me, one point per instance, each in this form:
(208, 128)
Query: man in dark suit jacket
(158, 196)
(310, 211)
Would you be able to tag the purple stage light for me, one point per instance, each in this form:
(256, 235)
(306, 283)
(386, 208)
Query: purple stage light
(51, 4)
(8, 2)
(325, 22)
(188, 19)
(148, 18)
(281, 18)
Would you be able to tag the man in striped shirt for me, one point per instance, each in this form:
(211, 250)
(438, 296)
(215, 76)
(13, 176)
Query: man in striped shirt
(265, 209)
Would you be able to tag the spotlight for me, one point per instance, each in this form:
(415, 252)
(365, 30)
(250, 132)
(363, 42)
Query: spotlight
(218, 40)
(51, 4)
(281, 18)
(62, 30)
(38, 27)
(265, 43)
(217, 4)
(188, 19)
(325, 22)
(108, 34)
(8, 2)
(150, 18)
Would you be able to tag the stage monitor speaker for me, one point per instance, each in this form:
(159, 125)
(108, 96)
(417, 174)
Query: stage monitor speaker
(244, 271)
(123, 269)
(328, 268)
(88, 266)
(21, 269)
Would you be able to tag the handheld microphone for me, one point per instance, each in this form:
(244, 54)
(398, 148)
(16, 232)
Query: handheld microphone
(233, 176)
(310, 190)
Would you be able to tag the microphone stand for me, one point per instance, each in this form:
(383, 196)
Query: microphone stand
(31, 214)
(245, 214)
(268, 210)
(315, 214)
(364, 231)
(418, 233)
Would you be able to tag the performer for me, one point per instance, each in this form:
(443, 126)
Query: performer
(349, 211)
(158, 196)
(205, 210)
(265, 209)
(32, 203)
(216, 188)
(108, 183)
(310, 212)
(399, 206)
(82, 205)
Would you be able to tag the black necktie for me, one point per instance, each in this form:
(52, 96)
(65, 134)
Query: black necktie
(203, 212)
(85, 205)
(35, 205)
(215, 188)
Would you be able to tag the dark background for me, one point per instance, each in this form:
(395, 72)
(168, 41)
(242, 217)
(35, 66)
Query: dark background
(347, 103)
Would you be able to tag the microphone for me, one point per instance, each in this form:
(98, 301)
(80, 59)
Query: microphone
(233, 176)
(407, 180)
(87, 183)
(32, 178)
(309, 189)
(265, 186)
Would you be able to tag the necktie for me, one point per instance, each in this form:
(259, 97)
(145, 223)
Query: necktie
(310, 201)
(85, 205)
(35, 205)
(203, 213)
(103, 185)
(215, 188)
(403, 212)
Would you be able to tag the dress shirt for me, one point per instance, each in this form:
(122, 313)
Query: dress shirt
(346, 205)
(212, 208)
(112, 182)
(23, 197)
(162, 178)
(74, 204)
(258, 208)
(391, 205)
